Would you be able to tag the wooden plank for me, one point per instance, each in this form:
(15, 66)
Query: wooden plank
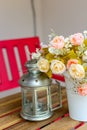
(10, 98)
(83, 127)
(10, 114)
(9, 120)
(9, 104)
(14, 125)
(65, 123)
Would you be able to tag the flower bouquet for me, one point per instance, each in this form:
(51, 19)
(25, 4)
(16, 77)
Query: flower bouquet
(68, 57)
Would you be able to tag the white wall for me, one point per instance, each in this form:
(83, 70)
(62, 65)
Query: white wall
(38, 10)
(16, 19)
(64, 16)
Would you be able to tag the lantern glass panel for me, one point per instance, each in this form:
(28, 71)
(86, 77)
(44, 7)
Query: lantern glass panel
(42, 99)
(35, 100)
(27, 106)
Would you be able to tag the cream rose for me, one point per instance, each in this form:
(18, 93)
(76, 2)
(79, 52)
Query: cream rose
(77, 71)
(57, 67)
(43, 65)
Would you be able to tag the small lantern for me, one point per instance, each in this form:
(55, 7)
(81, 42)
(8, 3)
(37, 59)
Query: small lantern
(39, 95)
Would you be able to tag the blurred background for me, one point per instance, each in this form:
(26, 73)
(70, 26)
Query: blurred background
(26, 18)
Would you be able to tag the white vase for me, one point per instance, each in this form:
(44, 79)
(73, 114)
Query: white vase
(77, 104)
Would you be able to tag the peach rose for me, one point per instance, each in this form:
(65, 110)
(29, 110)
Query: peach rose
(43, 65)
(82, 90)
(77, 71)
(57, 67)
(77, 39)
(58, 42)
(71, 61)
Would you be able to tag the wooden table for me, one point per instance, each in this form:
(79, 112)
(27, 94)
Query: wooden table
(10, 117)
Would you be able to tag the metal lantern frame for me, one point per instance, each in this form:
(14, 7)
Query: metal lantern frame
(36, 94)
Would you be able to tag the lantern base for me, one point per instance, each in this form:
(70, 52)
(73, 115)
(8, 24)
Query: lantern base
(36, 117)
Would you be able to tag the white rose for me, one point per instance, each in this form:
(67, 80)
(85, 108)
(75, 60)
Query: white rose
(43, 65)
(85, 53)
(36, 55)
(54, 51)
(51, 50)
(77, 71)
(85, 33)
(43, 45)
(57, 67)
(84, 58)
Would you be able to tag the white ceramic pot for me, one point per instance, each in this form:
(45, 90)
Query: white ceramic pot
(77, 104)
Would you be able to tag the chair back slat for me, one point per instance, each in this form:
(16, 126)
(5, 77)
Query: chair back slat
(3, 72)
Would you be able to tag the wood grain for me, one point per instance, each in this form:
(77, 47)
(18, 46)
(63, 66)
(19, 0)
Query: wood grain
(10, 118)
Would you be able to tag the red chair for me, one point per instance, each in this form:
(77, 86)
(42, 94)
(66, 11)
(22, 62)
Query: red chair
(13, 55)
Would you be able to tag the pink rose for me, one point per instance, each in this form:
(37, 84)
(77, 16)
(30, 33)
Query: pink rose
(77, 39)
(72, 61)
(82, 90)
(57, 42)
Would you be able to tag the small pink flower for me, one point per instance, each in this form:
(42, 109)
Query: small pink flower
(72, 61)
(77, 39)
(57, 42)
(82, 90)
